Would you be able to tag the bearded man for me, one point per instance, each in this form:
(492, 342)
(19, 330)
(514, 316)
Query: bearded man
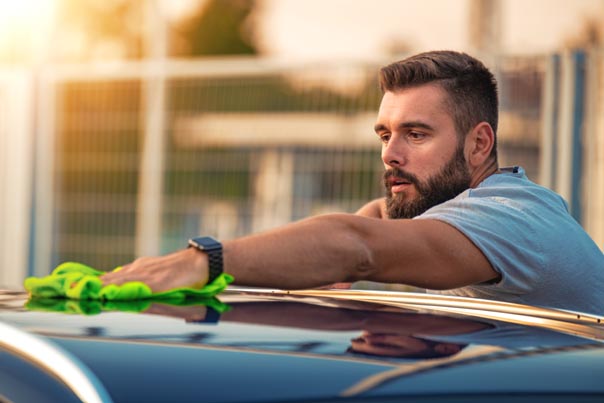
(452, 221)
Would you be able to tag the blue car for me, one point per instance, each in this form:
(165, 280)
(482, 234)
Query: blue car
(262, 345)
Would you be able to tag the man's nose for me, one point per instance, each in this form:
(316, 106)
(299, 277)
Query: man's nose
(393, 153)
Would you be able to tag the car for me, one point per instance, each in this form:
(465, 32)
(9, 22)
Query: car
(318, 345)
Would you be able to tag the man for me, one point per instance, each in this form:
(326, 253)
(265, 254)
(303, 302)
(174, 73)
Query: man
(383, 333)
(451, 220)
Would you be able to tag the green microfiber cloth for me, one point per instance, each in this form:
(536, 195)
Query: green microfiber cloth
(80, 282)
(94, 307)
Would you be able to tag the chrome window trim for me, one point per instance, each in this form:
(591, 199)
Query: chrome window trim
(570, 322)
(58, 362)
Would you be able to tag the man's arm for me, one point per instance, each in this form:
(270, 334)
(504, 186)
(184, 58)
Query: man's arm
(374, 209)
(310, 316)
(329, 249)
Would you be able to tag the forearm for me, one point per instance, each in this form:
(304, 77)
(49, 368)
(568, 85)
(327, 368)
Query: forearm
(345, 248)
(309, 253)
(295, 314)
(324, 250)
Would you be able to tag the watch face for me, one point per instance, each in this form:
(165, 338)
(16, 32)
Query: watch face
(205, 243)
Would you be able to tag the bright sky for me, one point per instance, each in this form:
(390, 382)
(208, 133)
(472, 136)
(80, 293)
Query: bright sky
(541, 25)
(19, 19)
(327, 29)
(347, 28)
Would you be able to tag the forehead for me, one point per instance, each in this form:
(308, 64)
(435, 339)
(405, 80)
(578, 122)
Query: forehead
(425, 103)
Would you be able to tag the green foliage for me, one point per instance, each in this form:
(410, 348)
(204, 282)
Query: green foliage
(268, 93)
(221, 28)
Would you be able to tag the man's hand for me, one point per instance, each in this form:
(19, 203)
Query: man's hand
(192, 313)
(185, 268)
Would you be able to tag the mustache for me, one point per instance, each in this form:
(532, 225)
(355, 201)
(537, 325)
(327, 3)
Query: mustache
(399, 174)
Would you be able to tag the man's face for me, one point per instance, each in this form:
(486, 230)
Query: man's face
(399, 345)
(422, 153)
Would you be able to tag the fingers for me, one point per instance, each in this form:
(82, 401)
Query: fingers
(114, 278)
(189, 313)
(139, 270)
(180, 269)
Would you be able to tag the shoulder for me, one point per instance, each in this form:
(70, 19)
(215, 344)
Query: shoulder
(374, 209)
(512, 192)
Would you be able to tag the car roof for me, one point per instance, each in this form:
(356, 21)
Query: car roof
(255, 337)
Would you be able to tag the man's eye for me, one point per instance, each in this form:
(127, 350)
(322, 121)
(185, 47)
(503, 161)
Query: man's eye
(416, 135)
(384, 138)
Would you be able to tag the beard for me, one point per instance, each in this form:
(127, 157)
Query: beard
(452, 179)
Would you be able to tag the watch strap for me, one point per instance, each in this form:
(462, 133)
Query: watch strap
(213, 249)
(212, 316)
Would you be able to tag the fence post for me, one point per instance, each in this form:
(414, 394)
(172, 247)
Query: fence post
(579, 60)
(549, 125)
(593, 190)
(16, 168)
(570, 132)
(273, 190)
(43, 209)
(151, 176)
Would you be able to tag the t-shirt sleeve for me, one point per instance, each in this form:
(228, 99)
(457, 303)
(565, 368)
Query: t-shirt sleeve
(501, 229)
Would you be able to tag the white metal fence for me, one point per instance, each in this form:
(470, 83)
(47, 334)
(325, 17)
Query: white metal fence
(16, 169)
(134, 158)
(146, 155)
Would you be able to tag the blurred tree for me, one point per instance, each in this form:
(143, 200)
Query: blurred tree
(220, 27)
(99, 29)
(590, 34)
(114, 29)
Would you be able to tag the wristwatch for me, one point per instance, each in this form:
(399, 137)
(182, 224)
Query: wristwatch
(213, 249)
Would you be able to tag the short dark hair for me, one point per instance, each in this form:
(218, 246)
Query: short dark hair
(430, 350)
(471, 87)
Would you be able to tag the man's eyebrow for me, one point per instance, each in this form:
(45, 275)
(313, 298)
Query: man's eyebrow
(405, 125)
(379, 127)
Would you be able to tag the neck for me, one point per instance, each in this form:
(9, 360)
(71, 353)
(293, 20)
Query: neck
(484, 171)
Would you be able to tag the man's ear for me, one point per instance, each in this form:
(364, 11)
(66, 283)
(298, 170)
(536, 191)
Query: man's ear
(479, 143)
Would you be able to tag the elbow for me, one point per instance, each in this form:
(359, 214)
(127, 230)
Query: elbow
(363, 266)
(355, 256)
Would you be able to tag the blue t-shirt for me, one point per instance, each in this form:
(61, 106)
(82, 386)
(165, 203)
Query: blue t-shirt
(513, 337)
(543, 255)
